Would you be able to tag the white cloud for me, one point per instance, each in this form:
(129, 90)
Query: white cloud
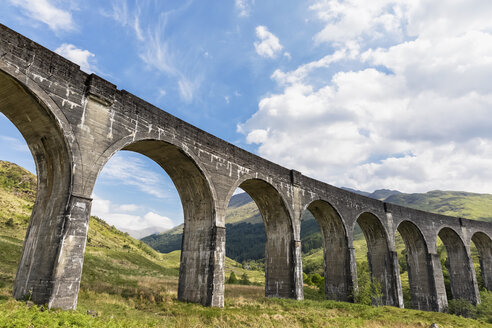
(351, 20)
(118, 215)
(81, 57)
(132, 171)
(45, 11)
(243, 7)
(413, 115)
(268, 45)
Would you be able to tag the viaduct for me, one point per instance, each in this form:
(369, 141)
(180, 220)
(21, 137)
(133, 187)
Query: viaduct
(74, 122)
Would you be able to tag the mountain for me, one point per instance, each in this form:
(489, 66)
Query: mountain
(380, 194)
(245, 233)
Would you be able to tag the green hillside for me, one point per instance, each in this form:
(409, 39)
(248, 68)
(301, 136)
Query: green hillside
(455, 203)
(125, 283)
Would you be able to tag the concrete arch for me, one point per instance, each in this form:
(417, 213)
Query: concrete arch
(127, 141)
(381, 260)
(484, 246)
(336, 252)
(420, 275)
(51, 142)
(200, 233)
(281, 279)
(460, 267)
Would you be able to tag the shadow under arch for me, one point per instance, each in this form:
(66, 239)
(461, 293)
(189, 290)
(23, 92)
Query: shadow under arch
(484, 246)
(422, 285)
(336, 253)
(280, 280)
(39, 121)
(381, 261)
(200, 234)
(459, 265)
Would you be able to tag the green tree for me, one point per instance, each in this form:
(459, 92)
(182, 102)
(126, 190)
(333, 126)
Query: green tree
(245, 279)
(232, 278)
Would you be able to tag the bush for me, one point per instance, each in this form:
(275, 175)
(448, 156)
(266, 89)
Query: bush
(484, 309)
(462, 308)
(10, 222)
(245, 279)
(232, 278)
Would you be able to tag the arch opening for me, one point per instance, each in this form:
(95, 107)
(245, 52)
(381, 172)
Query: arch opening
(420, 279)
(280, 243)
(46, 141)
(483, 245)
(458, 264)
(380, 262)
(245, 244)
(336, 254)
(200, 234)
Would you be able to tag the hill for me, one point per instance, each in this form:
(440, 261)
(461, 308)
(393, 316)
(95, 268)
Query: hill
(455, 203)
(125, 283)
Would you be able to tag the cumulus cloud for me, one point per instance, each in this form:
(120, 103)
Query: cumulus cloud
(268, 44)
(415, 113)
(122, 216)
(83, 58)
(45, 11)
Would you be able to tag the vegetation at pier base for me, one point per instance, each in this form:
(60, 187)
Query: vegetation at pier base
(125, 283)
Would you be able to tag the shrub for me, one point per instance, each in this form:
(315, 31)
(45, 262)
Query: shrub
(484, 309)
(10, 222)
(245, 279)
(462, 308)
(232, 278)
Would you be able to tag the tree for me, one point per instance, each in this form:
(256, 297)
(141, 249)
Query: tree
(232, 278)
(245, 279)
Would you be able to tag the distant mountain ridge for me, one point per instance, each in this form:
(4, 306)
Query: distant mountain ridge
(380, 194)
(245, 230)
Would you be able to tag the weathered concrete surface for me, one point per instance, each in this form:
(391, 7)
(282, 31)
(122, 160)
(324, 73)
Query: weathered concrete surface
(74, 122)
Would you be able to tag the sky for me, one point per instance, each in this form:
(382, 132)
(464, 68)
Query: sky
(362, 94)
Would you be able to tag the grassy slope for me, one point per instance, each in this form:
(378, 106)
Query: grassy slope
(455, 203)
(131, 285)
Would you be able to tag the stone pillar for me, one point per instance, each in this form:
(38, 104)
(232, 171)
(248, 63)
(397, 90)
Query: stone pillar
(396, 289)
(51, 265)
(201, 272)
(462, 277)
(438, 293)
(216, 278)
(68, 267)
(353, 288)
(297, 267)
(474, 296)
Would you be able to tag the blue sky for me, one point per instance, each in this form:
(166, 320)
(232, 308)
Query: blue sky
(365, 94)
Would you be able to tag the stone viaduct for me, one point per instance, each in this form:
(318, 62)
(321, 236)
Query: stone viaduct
(74, 122)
